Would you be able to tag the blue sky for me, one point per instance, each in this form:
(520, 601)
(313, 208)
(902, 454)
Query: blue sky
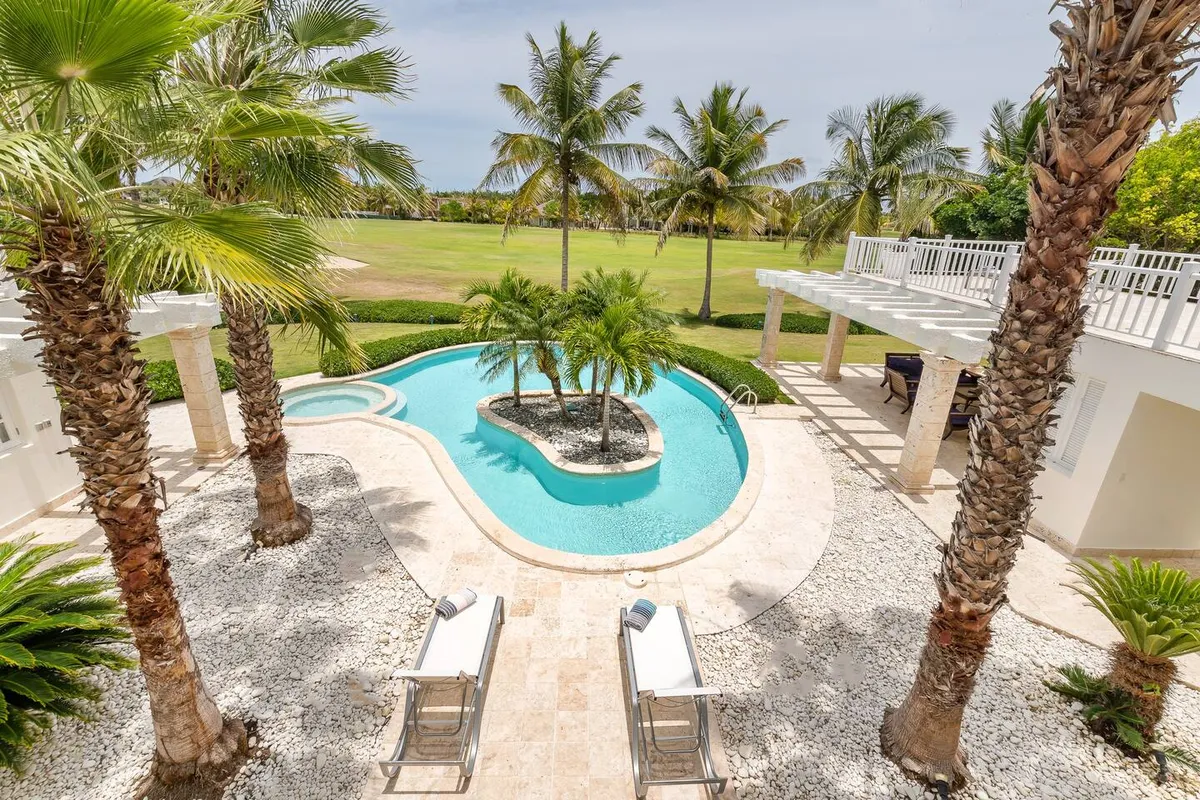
(801, 60)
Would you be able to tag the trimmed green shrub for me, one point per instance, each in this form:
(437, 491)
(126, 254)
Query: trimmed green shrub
(729, 373)
(56, 627)
(163, 379)
(415, 312)
(388, 351)
(792, 322)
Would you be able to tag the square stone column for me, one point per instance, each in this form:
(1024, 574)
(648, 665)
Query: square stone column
(768, 352)
(927, 423)
(202, 394)
(835, 344)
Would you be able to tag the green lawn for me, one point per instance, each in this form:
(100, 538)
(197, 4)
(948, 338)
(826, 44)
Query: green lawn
(434, 260)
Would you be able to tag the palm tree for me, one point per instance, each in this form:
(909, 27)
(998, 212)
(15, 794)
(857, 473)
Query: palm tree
(892, 157)
(81, 251)
(1109, 89)
(567, 145)
(1011, 136)
(498, 319)
(625, 349)
(539, 322)
(253, 96)
(717, 169)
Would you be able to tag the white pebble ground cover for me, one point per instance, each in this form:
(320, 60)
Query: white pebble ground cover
(806, 683)
(303, 639)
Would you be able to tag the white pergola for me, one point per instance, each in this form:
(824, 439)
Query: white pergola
(186, 321)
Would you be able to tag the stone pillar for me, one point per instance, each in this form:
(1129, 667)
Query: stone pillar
(927, 423)
(768, 352)
(202, 394)
(835, 343)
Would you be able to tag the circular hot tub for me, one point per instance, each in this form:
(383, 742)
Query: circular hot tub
(336, 399)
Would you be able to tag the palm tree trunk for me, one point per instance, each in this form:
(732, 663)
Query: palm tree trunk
(705, 305)
(91, 358)
(1096, 126)
(1146, 679)
(566, 228)
(516, 357)
(548, 366)
(605, 425)
(281, 520)
(595, 374)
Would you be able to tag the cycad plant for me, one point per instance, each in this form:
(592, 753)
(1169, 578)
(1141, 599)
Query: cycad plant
(716, 170)
(497, 320)
(56, 626)
(568, 143)
(626, 350)
(251, 102)
(1157, 612)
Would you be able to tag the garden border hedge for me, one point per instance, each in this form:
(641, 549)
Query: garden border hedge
(792, 322)
(416, 312)
(163, 379)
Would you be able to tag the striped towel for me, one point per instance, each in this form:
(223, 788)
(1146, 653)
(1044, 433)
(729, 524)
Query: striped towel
(639, 616)
(455, 603)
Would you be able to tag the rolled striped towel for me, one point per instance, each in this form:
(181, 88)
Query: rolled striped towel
(455, 603)
(640, 615)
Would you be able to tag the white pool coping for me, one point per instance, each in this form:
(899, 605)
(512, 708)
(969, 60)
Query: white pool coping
(518, 546)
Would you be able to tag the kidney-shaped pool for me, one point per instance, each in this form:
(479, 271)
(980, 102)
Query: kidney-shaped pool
(701, 471)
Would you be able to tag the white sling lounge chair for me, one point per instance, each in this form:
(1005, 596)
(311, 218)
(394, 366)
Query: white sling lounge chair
(457, 652)
(663, 671)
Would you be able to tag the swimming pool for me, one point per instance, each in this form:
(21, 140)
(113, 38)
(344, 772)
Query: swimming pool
(702, 468)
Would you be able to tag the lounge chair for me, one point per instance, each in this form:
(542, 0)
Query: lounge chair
(663, 674)
(454, 660)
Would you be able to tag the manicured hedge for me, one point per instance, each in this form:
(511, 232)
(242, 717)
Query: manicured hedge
(422, 312)
(388, 351)
(792, 322)
(163, 379)
(729, 373)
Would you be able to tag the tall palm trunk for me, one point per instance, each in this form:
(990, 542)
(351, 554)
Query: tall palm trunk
(281, 520)
(566, 228)
(595, 374)
(548, 366)
(516, 357)
(1107, 95)
(705, 307)
(89, 355)
(605, 422)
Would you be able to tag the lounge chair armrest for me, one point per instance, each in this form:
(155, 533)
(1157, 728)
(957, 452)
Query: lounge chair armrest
(424, 676)
(698, 691)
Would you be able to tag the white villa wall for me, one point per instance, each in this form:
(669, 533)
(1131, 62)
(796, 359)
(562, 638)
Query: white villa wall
(34, 473)
(1148, 499)
(1066, 499)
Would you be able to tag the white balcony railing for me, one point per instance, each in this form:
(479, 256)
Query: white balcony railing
(1143, 297)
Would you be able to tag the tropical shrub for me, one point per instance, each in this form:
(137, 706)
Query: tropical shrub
(729, 373)
(1157, 612)
(55, 627)
(163, 379)
(791, 322)
(452, 211)
(334, 363)
(415, 312)
(998, 212)
(1158, 205)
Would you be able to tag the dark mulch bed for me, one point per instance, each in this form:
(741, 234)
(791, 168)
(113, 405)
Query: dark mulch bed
(579, 439)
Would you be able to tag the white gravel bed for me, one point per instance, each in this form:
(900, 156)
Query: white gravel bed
(302, 639)
(806, 683)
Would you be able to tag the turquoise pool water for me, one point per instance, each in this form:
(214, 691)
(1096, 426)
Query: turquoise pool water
(703, 464)
(322, 401)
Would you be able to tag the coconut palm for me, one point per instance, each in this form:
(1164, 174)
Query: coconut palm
(67, 99)
(1012, 135)
(497, 319)
(891, 157)
(1118, 70)
(715, 169)
(624, 348)
(567, 144)
(55, 627)
(251, 98)
(1157, 612)
(539, 323)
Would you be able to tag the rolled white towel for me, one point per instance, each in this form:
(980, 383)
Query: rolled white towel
(453, 604)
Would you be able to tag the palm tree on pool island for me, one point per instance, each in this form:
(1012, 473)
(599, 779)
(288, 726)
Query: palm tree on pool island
(567, 145)
(497, 319)
(715, 171)
(1119, 68)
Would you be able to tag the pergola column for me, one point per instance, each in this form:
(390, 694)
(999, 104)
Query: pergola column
(927, 423)
(768, 352)
(835, 345)
(202, 393)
